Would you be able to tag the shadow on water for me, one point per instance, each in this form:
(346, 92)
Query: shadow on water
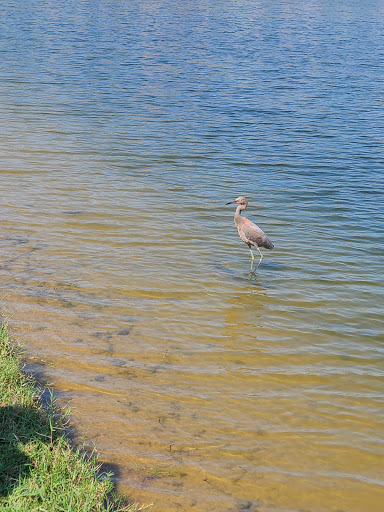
(22, 425)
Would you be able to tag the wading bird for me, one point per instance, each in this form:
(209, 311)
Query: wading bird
(251, 234)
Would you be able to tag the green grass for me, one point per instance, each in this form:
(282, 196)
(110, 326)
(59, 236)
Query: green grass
(39, 470)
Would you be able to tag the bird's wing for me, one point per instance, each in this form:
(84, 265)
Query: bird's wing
(255, 235)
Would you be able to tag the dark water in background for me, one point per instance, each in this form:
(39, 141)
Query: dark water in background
(126, 126)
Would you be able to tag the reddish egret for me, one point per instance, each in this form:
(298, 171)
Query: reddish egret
(248, 231)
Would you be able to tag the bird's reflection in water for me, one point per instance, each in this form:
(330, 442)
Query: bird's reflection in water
(253, 277)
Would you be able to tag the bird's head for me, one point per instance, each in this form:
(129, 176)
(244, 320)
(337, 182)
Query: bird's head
(240, 200)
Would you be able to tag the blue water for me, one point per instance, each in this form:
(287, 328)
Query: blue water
(126, 127)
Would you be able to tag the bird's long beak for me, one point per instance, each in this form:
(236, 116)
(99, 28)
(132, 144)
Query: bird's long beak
(230, 202)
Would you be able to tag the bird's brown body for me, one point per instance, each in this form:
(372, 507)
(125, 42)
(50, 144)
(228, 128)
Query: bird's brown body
(250, 234)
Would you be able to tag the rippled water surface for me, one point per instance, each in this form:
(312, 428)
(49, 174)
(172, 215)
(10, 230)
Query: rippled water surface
(126, 126)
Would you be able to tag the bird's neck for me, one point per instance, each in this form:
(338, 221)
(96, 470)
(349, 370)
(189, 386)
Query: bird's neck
(238, 211)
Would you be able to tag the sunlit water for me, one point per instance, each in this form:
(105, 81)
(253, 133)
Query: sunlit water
(126, 127)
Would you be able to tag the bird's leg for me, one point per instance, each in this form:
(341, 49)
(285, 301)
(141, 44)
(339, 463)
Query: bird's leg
(261, 257)
(252, 256)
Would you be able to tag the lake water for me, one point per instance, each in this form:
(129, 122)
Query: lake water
(126, 127)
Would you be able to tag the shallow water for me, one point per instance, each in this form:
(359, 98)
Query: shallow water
(126, 128)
